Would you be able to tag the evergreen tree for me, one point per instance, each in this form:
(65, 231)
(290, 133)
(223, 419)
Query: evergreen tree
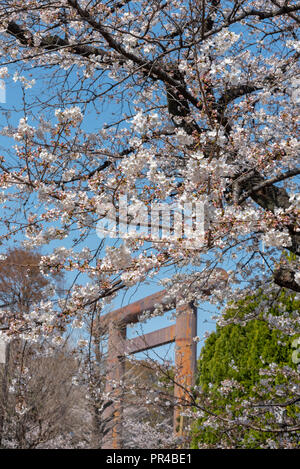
(234, 355)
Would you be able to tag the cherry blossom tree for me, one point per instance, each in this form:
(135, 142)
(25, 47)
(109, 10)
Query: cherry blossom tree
(172, 102)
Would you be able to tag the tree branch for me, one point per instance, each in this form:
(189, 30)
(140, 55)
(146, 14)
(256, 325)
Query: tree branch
(269, 182)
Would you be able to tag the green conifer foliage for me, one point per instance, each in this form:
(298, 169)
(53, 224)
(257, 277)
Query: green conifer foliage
(238, 352)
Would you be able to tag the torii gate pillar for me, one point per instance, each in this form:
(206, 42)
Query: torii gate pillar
(185, 358)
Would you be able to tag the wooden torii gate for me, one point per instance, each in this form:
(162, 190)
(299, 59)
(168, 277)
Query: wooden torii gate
(182, 333)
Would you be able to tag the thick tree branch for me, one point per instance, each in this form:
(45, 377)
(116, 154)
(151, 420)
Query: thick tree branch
(285, 277)
(52, 43)
(269, 182)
